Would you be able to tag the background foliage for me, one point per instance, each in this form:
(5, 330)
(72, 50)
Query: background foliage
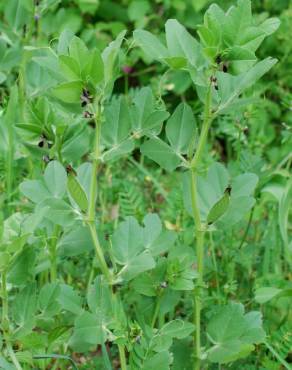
(44, 130)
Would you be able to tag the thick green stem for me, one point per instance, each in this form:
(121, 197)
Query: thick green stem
(122, 357)
(199, 228)
(99, 253)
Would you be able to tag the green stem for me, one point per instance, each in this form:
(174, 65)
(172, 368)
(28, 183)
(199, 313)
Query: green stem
(199, 227)
(12, 356)
(156, 310)
(99, 253)
(122, 357)
(92, 202)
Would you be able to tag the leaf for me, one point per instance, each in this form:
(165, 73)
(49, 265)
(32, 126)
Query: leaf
(181, 44)
(145, 116)
(69, 68)
(127, 240)
(129, 250)
(233, 333)
(57, 211)
(211, 190)
(218, 209)
(76, 241)
(55, 179)
(230, 87)
(69, 299)
(77, 192)
(119, 150)
(109, 57)
(270, 25)
(161, 153)
(23, 309)
(177, 329)
(47, 300)
(150, 44)
(99, 299)
(265, 294)
(34, 190)
(68, 92)
(93, 69)
(159, 361)
(117, 125)
(87, 333)
(137, 265)
(78, 51)
(180, 128)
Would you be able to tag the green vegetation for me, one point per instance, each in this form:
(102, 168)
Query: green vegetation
(145, 169)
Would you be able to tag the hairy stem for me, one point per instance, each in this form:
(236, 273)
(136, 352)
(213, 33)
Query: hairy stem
(199, 227)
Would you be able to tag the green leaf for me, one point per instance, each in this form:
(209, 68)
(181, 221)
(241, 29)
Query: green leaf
(218, 209)
(161, 153)
(117, 125)
(118, 150)
(150, 44)
(57, 211)
(177, 329)
(68, 92)
(78, 51)
(69, 68)
(93, 69)
(265, 294)
(233, 333)
(109, 57)
(145, 116)
(69, 299)
(180, 128)
(87, 332)
(128, 249)
(159, 361)
(47, 300)
(127, 240)
(163, 339)
(74, 242)
(181, 44)
(35, 190)
(230, 87)
(99, 299)
(23, 310)
(211, 190)
(18, 13)
(77, 192)
(55, 178)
